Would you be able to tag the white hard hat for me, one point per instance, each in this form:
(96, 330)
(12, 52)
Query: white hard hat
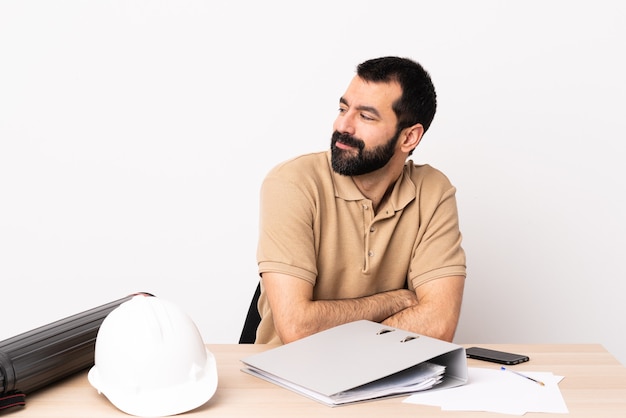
(150, 359)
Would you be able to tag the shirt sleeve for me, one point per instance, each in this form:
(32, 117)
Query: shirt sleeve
(437, 251)
(286, 239)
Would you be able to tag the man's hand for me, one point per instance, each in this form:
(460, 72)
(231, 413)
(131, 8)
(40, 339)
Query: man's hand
(437, 312)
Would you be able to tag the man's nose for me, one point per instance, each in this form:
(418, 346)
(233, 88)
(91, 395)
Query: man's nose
(345, 123)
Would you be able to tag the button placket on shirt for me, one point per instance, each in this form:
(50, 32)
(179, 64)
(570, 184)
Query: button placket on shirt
(368, 228)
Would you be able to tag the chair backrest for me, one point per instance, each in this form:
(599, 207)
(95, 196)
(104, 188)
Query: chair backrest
(253, 318)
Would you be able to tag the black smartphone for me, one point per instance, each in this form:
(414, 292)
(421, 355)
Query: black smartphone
(495, 356)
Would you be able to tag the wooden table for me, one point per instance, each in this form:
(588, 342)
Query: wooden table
(594, 386)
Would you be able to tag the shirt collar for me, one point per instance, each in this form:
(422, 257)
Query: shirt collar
(404, 190)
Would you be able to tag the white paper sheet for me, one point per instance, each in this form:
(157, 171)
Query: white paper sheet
(421, 377)
(499, 391)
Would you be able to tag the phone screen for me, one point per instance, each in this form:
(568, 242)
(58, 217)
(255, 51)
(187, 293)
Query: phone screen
(495, 356)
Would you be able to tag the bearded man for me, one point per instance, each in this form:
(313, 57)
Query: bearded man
(359, 231)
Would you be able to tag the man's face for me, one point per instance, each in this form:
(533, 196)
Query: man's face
(365, 135)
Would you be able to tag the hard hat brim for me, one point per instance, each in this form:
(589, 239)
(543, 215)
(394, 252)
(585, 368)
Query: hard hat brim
(165, 401)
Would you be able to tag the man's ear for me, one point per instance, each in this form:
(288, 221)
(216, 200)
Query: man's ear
(412, 137)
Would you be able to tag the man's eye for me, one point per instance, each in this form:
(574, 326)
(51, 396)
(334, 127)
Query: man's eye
(366, 117)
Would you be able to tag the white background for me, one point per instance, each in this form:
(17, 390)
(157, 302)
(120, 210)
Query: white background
(134, 136)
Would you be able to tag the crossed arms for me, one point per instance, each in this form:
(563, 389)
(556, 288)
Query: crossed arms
(433, 309)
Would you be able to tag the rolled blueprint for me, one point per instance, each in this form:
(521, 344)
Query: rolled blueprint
(44, 355)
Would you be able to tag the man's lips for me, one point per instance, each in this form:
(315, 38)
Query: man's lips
(341, 145)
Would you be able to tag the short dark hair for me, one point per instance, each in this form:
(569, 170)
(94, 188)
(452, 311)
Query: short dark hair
(418, 102)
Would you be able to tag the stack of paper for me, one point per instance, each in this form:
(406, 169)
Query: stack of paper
(421, 377)
(495, 390)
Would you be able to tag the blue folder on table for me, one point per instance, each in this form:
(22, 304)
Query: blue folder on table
(360, 361)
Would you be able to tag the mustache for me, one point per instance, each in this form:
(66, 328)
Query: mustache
(347, 139)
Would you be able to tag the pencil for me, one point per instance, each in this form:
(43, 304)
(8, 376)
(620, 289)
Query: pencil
(523, 375)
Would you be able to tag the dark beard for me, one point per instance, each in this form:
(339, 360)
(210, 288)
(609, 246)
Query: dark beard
(347, 163)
